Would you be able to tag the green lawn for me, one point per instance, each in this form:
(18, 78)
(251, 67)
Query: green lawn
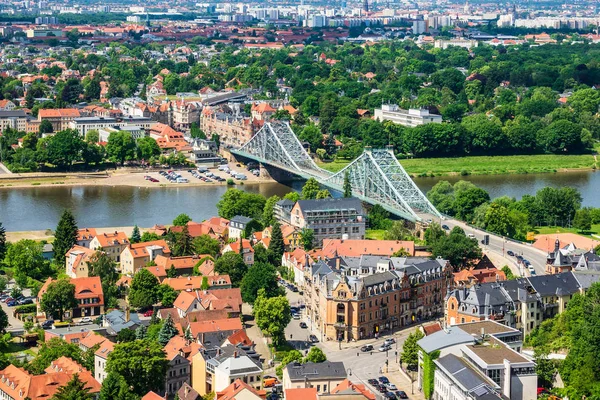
(545, 230)
(375, 234)
(484, 165)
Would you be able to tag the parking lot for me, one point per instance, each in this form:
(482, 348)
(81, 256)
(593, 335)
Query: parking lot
(213, 175)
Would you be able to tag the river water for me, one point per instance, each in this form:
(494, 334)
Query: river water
(39, 208)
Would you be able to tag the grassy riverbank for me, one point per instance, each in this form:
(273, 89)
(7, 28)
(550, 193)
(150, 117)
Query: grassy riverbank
(548, 230)
(488, 165)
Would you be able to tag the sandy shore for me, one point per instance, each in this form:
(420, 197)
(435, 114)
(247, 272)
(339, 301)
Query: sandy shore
(117, 178)
(48, 234)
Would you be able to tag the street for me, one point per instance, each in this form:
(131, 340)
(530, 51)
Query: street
(500, 246)
(360, 366)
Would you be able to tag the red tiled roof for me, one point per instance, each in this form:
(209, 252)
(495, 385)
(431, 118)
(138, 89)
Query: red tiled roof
(231, 391)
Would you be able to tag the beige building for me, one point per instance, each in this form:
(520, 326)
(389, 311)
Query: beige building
(16, 119)
(232, 131)
(60, 118)
(138, 255)
(323, 376)
(112, 244)
(76, 261)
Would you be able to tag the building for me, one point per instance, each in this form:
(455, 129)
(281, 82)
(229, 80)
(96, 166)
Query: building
(7, 105)
(241, 391)
(138, 255)
(16, 119)
(179, 352)
(358, 298)
(76, 261)
(112, 244)
(523, 303)
(244, 249)
(237, 226)
(411, 118)
(204, 152)
(60, 118)
(88, 294)
(282, 211)
(476, 360)
(100, 359)
(342, 218)
(233, 130)
(323, 376)
(71, 367)
(41, 32)
(85, 236)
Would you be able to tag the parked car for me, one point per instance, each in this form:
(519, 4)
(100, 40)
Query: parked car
(296, 316)
(148, 313)
(389, 396)
(445, 227)
(85, 320)
(531, 270)
(47, 324)
(11, 303)
(381, 389)
(25, 301)
(270, 382)
(385, 347)
(365, 348)
(389, 341)
(373, 381)
(401, 394)
(391, 386)
(303, 325)
(383, 379)
(510, 253)
(313, 339)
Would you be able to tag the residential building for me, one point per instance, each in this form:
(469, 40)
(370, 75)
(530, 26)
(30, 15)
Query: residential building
(297, 261)
(186, 392)
(240, 390)
(112, 244)
(67, 365)
(117, 320)
(191, 283)
(282, 211)
(233, 130)
(262, 111)
(347, 390)
(323, 376)
(16, 119)
(60, 118)
(185, 114)
(245, 249)
(88, 294)
(358, 298)
(85, 236)
(179, 352)
(478, 274)
(76, 260)
(138, 255)
(342, 218)
(523, 303)
(7, 105)
(356, 248)
(237, 226)
(411, 118)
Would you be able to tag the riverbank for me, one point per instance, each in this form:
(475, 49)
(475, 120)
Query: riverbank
(488, 165)
(120, 177)
(48, 235)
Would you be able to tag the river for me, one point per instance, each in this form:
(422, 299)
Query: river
(39, 208)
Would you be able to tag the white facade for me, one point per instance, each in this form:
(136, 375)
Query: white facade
(241, 367)
(411, 118)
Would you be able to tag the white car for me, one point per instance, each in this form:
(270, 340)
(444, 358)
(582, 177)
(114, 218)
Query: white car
(385, 347)
(389, 341)
(85, 320)
(391, 386)
(296, 316)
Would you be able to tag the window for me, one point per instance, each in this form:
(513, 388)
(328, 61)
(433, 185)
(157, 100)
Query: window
(325, 388)
(318, 388)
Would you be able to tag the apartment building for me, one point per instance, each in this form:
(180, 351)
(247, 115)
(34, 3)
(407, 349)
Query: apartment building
(60, 118)
(358, 298)
(112, 244)
(342, 218)
(138, 255)
(76, 260)
(100, 359)
(15, 119)
(323, 376)
(411, 118)
(233, 130)
(88, 294)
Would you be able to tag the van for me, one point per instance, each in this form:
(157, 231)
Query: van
(241, 177)
(182, 180)
(270, 382)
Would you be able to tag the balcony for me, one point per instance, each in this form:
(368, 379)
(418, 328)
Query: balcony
(341, 325)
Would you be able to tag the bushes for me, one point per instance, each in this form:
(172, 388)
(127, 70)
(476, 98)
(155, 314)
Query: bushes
(26, 309)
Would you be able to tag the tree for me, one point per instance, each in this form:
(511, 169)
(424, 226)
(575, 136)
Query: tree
(272, 315)
(100, 264)
(149, 237)
(323, 194)
(126, 335)
(65, 236)
(410, 349)
(310, 189)
(64, 148)
(181, 220)
(135, 235)
(307, 236)
(557, 206)
(347, 185)
(182, 243)
(120, 147)
(267, 217)
(583, 220)
(27, 261)
(433, 233)
(508, 273)
(276, 246)
(142, 363)
(167, 331)
(54, 349)
(2, 242)
(260, 276)
(232, 264)
(92, 136)
(312, 135)
(3, 321)
(166, 295)
(59, 298)
(466, 201)
(378, 217)
(46, 127)
(237, 202)
(114, 387)
(457, 248)
(141, 332)
(147, 148)
(398, 231)
(75, 389)
(143, 289)
(92, 90)
(315, 355)
(196, 132)
(561, 136)
(172, 272)
(204, 244)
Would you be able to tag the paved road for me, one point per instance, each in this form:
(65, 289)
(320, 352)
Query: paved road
(500, 246)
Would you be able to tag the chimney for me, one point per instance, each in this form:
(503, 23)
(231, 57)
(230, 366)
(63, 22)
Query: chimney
(235, 354)
(127, 314)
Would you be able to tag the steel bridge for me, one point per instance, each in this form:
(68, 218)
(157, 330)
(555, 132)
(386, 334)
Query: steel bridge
(376, 177)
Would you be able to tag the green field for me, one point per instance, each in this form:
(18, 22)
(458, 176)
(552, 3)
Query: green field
(484, 165)
(375, 234)
(545, 230)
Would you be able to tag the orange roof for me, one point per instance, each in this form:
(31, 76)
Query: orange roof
(231, 391)
(359, 388)
(432, 328)
(105, 349)
(301, 394)
(185, 300)
(263, 108)
(235, 246)
(112, 239)
(139, 250)
(91, 340)
(58, 113)
(85, 288)
(357, 247)
(290, 109)
(65, 364)
(152, 396)
(178, 345)
(240, 337)
(546, 242)
(228, 324)
(178, 262)
(195, 282)
(82, 254)
(19, 384)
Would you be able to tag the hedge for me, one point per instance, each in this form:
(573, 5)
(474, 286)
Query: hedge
(26, 309)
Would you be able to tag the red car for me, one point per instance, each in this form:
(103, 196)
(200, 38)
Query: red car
(148, 313)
